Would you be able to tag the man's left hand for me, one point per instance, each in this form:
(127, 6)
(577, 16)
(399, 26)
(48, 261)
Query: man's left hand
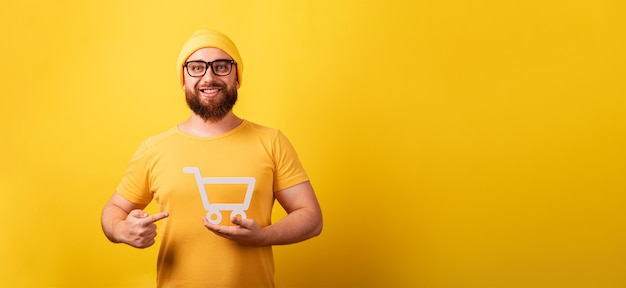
(245, 231)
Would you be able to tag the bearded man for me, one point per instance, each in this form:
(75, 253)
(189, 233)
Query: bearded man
(214, 164)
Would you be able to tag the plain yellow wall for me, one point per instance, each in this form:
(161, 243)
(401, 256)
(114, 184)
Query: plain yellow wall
(451, 143)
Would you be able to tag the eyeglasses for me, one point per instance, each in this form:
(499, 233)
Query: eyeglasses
(219, 67)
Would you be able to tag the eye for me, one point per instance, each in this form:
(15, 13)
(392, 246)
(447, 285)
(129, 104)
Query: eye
(221, 67)
(196, 66)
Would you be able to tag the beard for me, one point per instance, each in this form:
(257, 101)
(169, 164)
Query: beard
(213, 109)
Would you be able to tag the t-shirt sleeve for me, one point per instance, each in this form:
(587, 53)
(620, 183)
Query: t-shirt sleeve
(135, 186)
(289, 170)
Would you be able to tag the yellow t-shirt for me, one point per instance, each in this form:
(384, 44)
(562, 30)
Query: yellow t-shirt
(191, 177)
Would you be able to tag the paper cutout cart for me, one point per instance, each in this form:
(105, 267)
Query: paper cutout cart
(215, 209)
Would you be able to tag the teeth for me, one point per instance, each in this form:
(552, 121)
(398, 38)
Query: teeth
(210, 90)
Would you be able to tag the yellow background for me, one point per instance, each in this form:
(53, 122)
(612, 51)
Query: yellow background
(451, 143)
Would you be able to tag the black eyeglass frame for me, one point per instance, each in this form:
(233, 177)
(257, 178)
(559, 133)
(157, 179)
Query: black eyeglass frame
(210, 64)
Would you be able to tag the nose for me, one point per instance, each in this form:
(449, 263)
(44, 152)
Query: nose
(208, 76)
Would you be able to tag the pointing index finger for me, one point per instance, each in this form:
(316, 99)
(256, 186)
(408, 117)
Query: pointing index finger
(155, 217)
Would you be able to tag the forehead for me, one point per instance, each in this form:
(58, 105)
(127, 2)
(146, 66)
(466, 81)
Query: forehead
(209, 54)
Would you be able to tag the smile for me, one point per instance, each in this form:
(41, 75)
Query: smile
(210, 90)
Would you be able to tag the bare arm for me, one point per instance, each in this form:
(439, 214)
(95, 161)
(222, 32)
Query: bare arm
(126, 222)
(303, 221)
(304, 216)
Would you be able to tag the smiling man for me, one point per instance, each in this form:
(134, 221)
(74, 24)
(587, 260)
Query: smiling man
(214, 164)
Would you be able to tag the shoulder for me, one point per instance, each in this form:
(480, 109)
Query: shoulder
(271, 137)
(261, 130)
(162, 137)
(258, 127)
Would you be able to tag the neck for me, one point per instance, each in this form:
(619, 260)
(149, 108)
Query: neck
(196, 126)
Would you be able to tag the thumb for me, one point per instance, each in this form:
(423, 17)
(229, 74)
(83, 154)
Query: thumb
(138, 213)
(244, 223)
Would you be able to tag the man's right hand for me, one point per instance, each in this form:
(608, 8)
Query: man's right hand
(139, 228)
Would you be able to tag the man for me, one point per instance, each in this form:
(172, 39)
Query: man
(212, 165)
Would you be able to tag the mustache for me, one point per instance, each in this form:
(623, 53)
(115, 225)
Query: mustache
(212, 84)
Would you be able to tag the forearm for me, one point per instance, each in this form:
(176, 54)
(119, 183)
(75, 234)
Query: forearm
(303, 221)
(299, 225)
(126, 222)
(111, 216)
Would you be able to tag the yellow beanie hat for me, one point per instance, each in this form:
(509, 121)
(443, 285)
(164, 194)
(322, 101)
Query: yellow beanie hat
(209, 38)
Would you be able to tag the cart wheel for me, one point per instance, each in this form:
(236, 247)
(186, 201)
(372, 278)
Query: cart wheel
(239, 213)
(214, 217)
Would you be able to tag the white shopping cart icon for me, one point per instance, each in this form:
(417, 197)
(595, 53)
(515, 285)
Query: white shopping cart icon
(214, 210)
